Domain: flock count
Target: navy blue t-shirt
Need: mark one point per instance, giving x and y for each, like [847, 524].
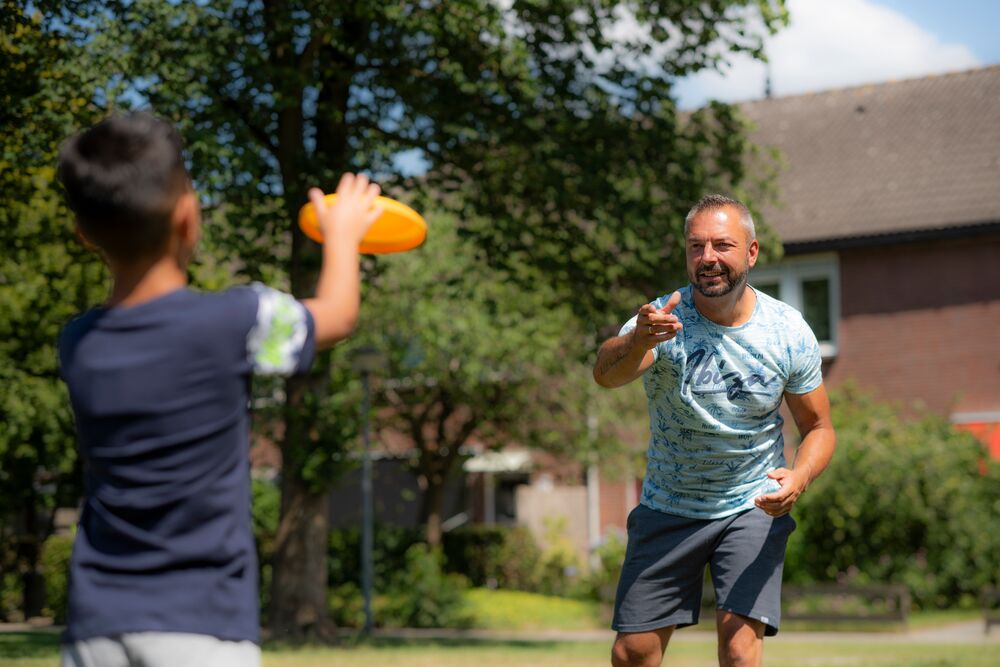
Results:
[160, 392]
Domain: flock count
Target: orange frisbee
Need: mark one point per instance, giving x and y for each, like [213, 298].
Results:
[398, 229]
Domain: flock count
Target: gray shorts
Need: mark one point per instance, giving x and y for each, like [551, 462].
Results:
[665, 561]
[159, 649]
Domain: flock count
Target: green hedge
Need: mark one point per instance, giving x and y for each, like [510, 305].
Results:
[905, 500]
[419, 594]
[55, 557]
[494, 556]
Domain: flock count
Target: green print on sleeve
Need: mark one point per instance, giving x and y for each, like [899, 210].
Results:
[275, 343]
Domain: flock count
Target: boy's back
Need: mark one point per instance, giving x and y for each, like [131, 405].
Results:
[160, 391]
[164, 570]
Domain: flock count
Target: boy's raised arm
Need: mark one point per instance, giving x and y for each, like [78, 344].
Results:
[344, 223]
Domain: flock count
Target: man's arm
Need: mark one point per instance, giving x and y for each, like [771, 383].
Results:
[338, 292]
[624, 358]
[811, 413]
[620, 360]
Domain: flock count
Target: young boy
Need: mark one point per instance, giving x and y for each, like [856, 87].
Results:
[164, 568]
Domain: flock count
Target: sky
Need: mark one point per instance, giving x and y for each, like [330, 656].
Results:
[840, 43]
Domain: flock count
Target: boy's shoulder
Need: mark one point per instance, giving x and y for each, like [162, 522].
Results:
[229, 308]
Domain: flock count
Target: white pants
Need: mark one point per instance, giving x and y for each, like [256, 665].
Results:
[160, 649]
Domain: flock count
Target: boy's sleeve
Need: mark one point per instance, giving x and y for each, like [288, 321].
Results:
[807, 363]
[282, 340]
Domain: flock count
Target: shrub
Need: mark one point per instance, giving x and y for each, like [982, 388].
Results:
[266, 512]
[55, 557]
[602, 580]
[422, 595]
[389, 546]
[494, 556]
[560, 563]
[346, 605]
[910, 501]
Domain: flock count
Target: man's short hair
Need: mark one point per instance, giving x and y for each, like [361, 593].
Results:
[715, 202]
[122, 179]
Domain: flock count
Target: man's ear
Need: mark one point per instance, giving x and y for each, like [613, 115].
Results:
[752, 252]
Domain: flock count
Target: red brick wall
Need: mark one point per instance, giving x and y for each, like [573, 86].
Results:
[921, 322]
[612, 504]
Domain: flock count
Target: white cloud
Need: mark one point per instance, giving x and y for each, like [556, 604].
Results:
[831, 45]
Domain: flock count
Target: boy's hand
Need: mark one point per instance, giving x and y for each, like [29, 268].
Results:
[350, 216]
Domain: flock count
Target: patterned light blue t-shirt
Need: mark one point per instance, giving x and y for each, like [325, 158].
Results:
[714, 393]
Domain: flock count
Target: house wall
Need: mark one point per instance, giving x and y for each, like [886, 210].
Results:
[555, 512]
[618, 497]
[920, 323]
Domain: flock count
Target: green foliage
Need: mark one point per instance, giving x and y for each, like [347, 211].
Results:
[504, 557]
[56, 552]
[417, 594]
[481, 356]
[602, 578]
[477, 345]
[346, 605]
[423, 595]
[265, 512]
[559, 567]
[546, 129]
[45, 279]
[911, 501]
[389, 547]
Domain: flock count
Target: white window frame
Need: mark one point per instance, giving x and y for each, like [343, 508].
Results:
[789, 274]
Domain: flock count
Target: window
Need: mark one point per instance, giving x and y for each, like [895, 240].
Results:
[811, 285]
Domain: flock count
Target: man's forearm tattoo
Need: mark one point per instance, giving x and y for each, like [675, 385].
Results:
[614, 357]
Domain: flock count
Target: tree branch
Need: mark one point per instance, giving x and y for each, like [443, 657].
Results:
[262, 137]
[402, 139]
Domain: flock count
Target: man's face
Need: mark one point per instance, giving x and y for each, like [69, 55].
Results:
[719, 252]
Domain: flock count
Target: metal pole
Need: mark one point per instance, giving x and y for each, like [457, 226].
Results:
[367, 527]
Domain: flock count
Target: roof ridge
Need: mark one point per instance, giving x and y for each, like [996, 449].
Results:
[874, 84]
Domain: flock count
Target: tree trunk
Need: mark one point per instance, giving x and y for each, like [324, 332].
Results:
[438, 456]
[298, 596]
[298, 590]
[432, 507]
[298, 605]
[33, 596]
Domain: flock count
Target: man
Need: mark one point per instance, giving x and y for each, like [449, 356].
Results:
[716, 358]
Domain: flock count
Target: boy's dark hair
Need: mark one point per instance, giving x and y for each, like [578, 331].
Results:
[122, 179]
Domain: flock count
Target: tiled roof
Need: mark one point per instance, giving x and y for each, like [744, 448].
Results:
[897, 157]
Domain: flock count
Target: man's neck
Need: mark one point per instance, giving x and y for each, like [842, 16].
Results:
[730, 310]
[144, 281]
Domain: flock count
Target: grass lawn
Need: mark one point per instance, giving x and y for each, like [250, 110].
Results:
[518, 610]
[41, 650]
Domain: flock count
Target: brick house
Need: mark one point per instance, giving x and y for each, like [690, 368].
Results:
[889, 212]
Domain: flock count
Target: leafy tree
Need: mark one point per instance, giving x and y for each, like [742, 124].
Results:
[45, 278]
[471, 354]
[545, 125]
[906, 499]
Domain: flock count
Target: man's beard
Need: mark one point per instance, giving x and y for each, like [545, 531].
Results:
[731, 280]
